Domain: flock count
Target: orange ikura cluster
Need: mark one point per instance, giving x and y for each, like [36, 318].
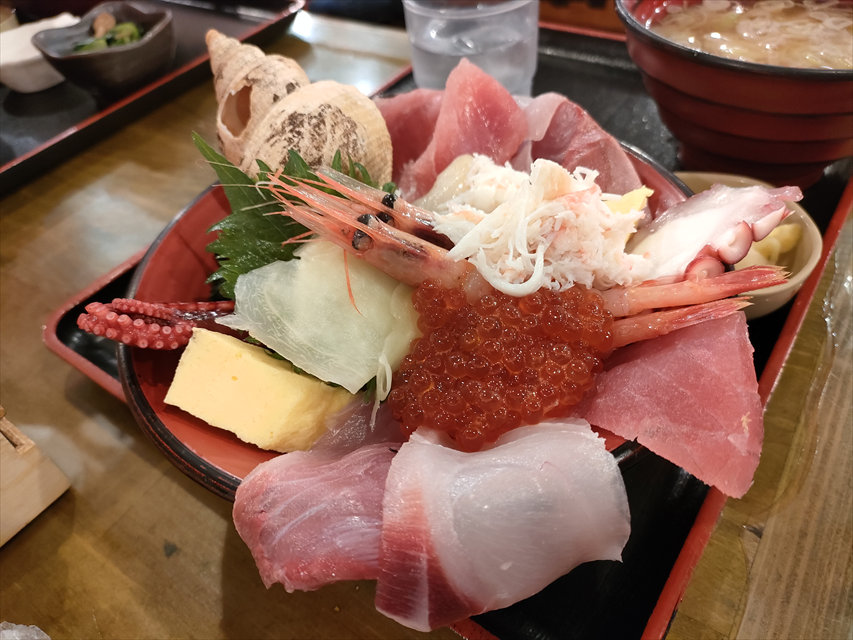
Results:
[483, 368]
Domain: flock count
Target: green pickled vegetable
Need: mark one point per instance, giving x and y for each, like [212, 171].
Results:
[122, 33]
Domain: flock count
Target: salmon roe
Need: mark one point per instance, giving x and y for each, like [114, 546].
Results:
[483, 368]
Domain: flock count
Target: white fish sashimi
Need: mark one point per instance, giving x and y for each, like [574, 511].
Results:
[465, 533]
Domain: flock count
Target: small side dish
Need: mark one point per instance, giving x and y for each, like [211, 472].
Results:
[107, 33]
[112, 60]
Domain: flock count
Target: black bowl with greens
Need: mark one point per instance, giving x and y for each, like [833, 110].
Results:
[116, 47]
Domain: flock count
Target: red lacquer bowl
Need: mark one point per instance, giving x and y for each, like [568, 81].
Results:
[175, 269]
[779, 124]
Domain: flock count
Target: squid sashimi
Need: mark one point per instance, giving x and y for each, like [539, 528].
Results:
[308, 522]
[465, 533]
[658, 392]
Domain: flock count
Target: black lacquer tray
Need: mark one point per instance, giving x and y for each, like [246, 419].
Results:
[670, 509]
[40, 130]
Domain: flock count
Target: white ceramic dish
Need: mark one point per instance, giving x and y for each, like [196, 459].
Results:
[799, 262]
[22, 67]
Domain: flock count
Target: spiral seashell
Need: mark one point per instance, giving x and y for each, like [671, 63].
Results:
[247, 83]
[268, 106]
[228, 58]
[318, 120]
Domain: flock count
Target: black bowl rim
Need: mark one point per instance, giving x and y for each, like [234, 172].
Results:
[164, 19]
[217, 480]
[634, 26]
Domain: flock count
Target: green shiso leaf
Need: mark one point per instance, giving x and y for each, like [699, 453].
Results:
[253, 235]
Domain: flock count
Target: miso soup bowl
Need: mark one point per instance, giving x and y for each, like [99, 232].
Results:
[781, 124]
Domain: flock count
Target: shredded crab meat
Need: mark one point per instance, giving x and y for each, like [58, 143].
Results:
[552, 228]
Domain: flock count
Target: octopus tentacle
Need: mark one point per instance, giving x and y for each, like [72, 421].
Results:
[715, 228]
[149, 325]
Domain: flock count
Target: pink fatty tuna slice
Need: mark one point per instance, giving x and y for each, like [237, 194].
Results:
[311, 518]
[476, 115]
[430, 128]
[691, 397]
[465, 533]
[410, 118]
[562, 131]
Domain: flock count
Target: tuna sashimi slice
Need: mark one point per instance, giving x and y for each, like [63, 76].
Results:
[410, 118]
[691, 397]
[311, 518]
[465, 533]
[562, 131]
[477, 115]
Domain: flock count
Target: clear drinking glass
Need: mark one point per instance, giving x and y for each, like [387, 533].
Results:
[499, 36]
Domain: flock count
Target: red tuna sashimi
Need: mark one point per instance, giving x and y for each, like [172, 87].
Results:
[562, 131]
[465, 533]
[410, 118]
[477, 115]
[691, 397]
[310, 519]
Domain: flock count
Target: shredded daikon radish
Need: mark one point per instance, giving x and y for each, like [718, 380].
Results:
[552, 228]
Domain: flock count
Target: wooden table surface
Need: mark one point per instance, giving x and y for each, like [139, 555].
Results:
[137, 550]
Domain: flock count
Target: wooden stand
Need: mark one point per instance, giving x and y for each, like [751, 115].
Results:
[29, 480]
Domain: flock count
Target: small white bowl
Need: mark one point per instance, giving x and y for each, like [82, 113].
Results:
[22, 67]
[799, 262]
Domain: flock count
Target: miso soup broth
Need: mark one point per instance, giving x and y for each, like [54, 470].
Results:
[789, 33]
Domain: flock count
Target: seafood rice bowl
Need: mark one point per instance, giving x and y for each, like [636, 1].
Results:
[484, 332]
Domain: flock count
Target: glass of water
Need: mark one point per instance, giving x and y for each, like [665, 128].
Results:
[499, 36]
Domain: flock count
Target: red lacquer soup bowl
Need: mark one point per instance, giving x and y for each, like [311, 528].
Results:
[776, 123]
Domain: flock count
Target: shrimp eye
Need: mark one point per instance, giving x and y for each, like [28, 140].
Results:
[389, 199]
[365, 219]
[361, 241]
[387, 218]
